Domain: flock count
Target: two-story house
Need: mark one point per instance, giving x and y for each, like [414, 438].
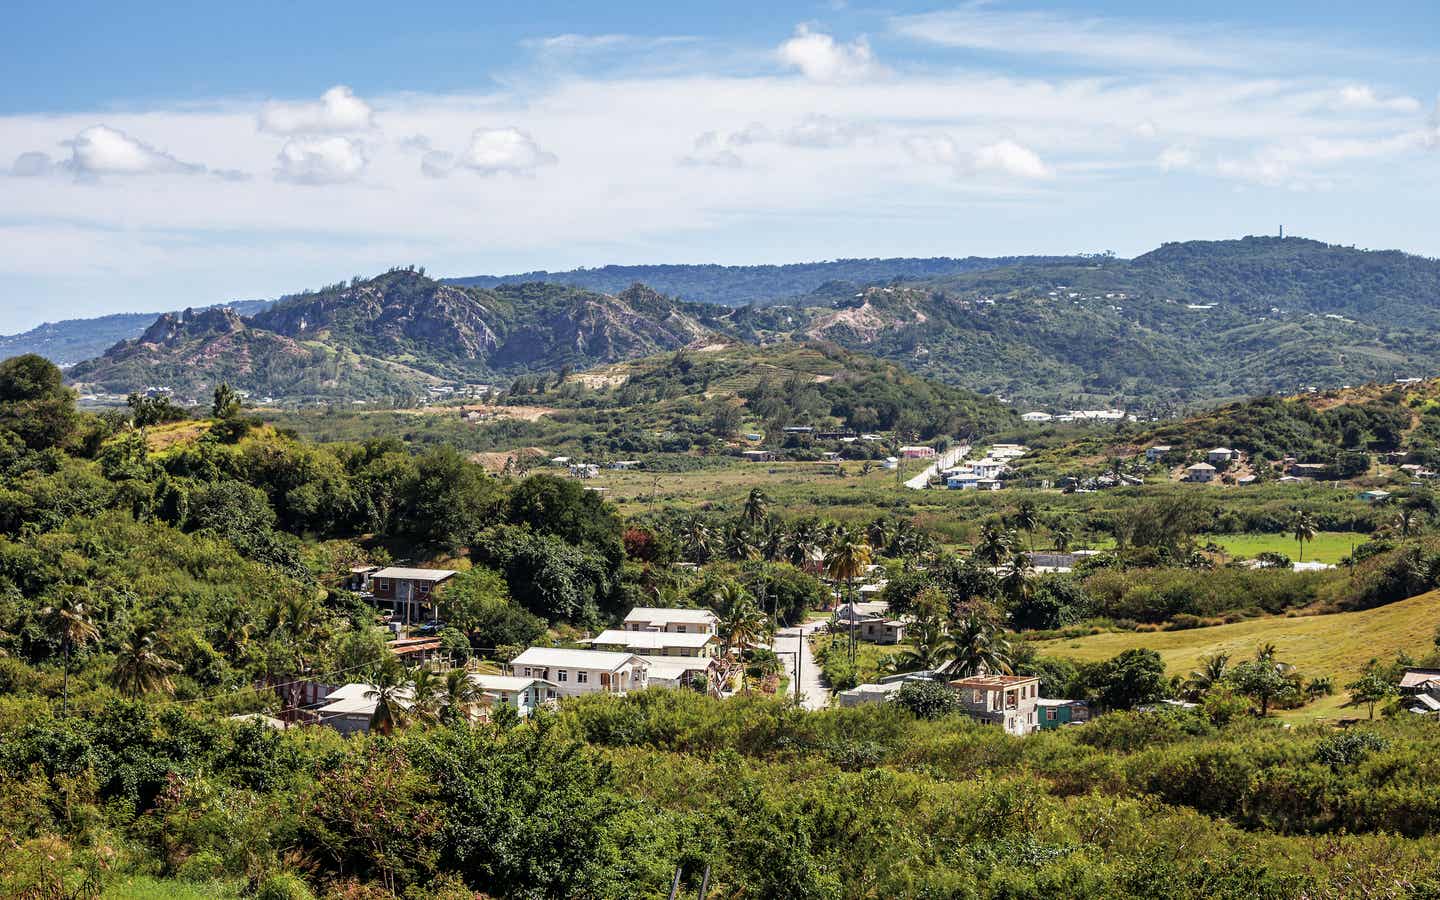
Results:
[679, 621]
[1009, 701]
[411, 593]
[656, 643]
[524, 695]
[575, 672]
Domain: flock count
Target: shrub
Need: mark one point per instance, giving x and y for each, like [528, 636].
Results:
[927, 699]
[283, 886]
[1348, 748]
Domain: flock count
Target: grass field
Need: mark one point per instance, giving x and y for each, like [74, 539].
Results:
[143, 887]
[1338, 645]
[1328, 546]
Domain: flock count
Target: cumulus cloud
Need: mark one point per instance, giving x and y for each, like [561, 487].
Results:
[314, 161]
[713, 149]
[1364, 97]
[1005, 157]
[336, 112]
[820, 57]
[102, 150]
[29, 165]
[495, 151]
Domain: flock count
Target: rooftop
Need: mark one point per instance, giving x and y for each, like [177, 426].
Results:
[665, 614]
[504, 682]
[647, 640]
[573, 659]
[993, 681]
[402, 573]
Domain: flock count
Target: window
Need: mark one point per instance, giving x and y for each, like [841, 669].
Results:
[582, 677]
[383, 584]
[562, 675]
[679, 629]
[424, 587]
[1049, 713]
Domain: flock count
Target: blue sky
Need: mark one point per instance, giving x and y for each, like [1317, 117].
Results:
[172, 156]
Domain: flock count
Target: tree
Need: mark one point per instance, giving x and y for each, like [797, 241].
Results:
[34, 403]
[1372, 687]
[994, 545]
[976, 647]
[1212, 672]
[1407, 521]
[1061, 537]
[459, 697]
[1264, 679]
[926, 650]
[140, 665]
[1027, 519]
[69, 621]
[743, 626]
[1304, 530]
[227, 402]
[757, 507]
[845, 558]
[1129, 679]
[1016, 582]
[927, 699]
[390, 689]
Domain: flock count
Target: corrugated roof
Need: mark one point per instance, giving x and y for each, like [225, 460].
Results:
[663, 614]
[573, 659]
[404, 574]
[515, 683]
[650, 640]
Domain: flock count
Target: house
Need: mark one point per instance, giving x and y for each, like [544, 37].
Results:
[1308, 470]
[1055, 713]
[1155, 453]
[1200, 473]
[882, 631]
[871, 621]
[584, 470]
[891, 462]
[917, 452]
[680, 621]
[417, 650]
[359, 578]
[348, 709]
[988, 484]
[869, 693]
[408, 591]
[624, 464]
[1420, 690]
[679, 671]
[655, 643]
[757, 455]
[962, 481]
[797, 429]
[989, 468]
[1220, 455]
[1375, 496]
[1009, 701]
[576, 672]
[524, 695]
[1036, 417]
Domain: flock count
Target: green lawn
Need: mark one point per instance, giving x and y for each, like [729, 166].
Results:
[144, 887]
[1338, 645]
[1328, 546]
[868, 657]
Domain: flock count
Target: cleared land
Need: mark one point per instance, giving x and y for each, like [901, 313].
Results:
[1338, 645]
[1328, 546]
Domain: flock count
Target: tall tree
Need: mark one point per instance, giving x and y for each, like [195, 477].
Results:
[140, 664]
[226, 403]
[977, 647]
[845, 558]
[390, 689]
[69, 620]
[1027, 519]
[757, 507]
[1305, 530]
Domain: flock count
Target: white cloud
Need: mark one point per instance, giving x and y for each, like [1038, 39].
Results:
[437, 163]
[1004, 157]
[1176, 158]
[315, 161]
[1364, 97]
[102, 150]
[1432, 128]
[338, 111]
[495, 151]
[820, 57]
[711, 149]
[31, 164]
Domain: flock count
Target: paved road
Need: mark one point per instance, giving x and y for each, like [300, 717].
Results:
[943, 461]
[813, 693]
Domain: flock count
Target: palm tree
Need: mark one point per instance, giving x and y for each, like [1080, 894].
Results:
[757, 507]
[727, 596]
[993, 546]
[429, 700]
[1212, 672]
[141, 667]
[459, 696]
[846, 557]
[744, 626]
[1062, 538]
[696, 536]
[389, 688]
[69, 620]
[1305, 530]
[926, 651]
[1016, 580]
[1406, 521]
[975, 647]
[1027, 519]
[740, 544]
[881, 533]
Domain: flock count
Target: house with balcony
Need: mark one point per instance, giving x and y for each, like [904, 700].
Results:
[576, 672]
[655, 643]
[1010, 701]
[411, 593]
[680, 621]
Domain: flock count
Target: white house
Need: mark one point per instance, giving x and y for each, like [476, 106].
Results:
[962, 481]
[575, 672]
[524, 695]
[989, 468]
[655, 643]
[869, 693]
[1201, 473]
[1036, 417]
[1220, 455]
[678, 671]
[1153, 454]
[680, 621]
[348, 709]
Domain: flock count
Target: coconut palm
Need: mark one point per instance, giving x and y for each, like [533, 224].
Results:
[429, 701]
[845, 558]
[140, 664]
[740, 543]
[744, 626]
[993, 546]
[757, 507]
[695, 535]
[1027, 519]
[881, 533]
[1406, 522]
[69, 621]
[1061, 537]
[1305, 530]
[1015, 581]
[1212, 672]
[459, 696]
[976, 647]
[390, 689]
[926, 651]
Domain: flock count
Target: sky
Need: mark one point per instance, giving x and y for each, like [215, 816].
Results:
[177, 156]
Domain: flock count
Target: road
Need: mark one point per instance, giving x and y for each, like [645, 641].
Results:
[943, 461]
[813, 693]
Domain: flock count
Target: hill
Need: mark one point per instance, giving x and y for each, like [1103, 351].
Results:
[70, 341]
[1337, 644]
[394, 336]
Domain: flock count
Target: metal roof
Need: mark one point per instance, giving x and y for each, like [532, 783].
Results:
[404, 574]
[650, 640]
[573, 659]
[676, 615]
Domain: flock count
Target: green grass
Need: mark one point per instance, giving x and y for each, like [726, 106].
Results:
[1338, 645]
[1328, 546]
[868, 657]
[145, 887]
